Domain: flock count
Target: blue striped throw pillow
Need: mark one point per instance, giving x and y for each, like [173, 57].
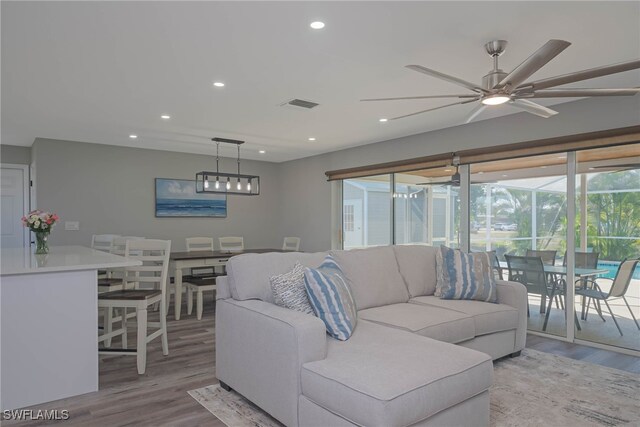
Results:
[331, 298]
[465, 275]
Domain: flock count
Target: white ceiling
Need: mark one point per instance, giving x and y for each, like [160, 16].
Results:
[99, 71]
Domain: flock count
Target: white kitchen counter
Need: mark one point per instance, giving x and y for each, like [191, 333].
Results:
[49, 323]
[59, 258]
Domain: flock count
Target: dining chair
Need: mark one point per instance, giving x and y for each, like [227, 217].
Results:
[585, 260]
[291, 244]
[619, 287]
[102, 242]
[231, 244]
[200, 280]
[548, 258]
[154, 255]
[495, 263]
[530, 272]
[114, 281]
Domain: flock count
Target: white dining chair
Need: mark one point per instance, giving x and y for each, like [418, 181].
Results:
[231, 244]
[291, 244]
[154, 255]
[114, 281]
[102, 242]
[201, 280]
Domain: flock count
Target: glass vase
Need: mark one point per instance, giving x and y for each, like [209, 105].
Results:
[42, 245]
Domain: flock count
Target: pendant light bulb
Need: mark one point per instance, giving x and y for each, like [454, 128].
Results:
[249, 185]
[206, 182]
[217, 183]
[228, 184]
[239, 186]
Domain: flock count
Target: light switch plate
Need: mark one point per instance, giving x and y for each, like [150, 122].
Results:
[72, 225]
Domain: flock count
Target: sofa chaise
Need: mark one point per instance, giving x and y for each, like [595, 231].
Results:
[413, 360]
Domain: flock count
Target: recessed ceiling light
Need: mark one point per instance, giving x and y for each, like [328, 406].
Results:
[592, 168]
[312, 138]
[504, 176]
[448, 170]
[218, 84]
[480, 173]
[317, 25]
[543, 167]
[561, 157]
[383, 120]
[165, 117]
[262, 151]
[133, 136]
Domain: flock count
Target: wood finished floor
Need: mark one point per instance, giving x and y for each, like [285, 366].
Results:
[159, 397]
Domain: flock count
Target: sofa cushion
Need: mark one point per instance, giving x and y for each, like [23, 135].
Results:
[373, 276]
[248, 274]
[488, 318]
[464, 275]
[331, 298]
[388, 377]
[289, 290]
[434, 322]
[417, 266]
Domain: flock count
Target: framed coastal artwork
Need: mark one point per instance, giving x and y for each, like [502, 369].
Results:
[178, 198]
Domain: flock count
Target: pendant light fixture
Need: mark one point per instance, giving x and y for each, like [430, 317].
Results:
[245, 185]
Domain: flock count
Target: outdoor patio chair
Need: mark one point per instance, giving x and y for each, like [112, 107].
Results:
[619, 287]
[585, 260]
[529, 270]
[497, 270]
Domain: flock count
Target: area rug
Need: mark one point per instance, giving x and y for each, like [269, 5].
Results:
[535, 389]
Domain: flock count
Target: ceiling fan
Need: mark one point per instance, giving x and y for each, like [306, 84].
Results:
[499, 87]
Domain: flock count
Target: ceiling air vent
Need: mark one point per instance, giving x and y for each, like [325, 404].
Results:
[300, 103]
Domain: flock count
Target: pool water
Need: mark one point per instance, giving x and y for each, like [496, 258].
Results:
[612, 267]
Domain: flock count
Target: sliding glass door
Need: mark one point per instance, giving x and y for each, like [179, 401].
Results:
[607, 233]
[577, 213]
[519, 208]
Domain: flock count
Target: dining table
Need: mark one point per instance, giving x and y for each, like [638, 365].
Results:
[179, 261]
[561, 270]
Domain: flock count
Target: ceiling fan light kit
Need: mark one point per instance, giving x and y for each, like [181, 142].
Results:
[499, 87]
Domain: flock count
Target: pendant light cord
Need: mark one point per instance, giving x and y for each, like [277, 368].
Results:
[238, 161]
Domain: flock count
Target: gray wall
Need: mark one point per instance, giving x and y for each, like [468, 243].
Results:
[110, 189]
[15, 154]
[307, 194]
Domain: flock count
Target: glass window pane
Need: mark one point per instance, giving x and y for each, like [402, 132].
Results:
[426, 210]
[366, 211]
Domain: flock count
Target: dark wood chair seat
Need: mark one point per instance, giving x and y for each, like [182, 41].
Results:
[109, 282]
[130, 294]
[202, 281]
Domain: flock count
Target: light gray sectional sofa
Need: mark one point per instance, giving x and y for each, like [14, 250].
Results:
[413, 359]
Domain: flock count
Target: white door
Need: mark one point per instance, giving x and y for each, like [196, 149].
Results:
[352, 223]
[14, 203]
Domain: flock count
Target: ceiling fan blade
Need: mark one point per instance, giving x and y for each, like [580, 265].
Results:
[582, 75]
[436, 108]
[569, 93]
[475, 112]
[450, 79]
[420, 97]
[540, 57]
[533, 108]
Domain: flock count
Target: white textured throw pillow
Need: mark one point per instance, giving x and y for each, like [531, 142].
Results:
[289, 290]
